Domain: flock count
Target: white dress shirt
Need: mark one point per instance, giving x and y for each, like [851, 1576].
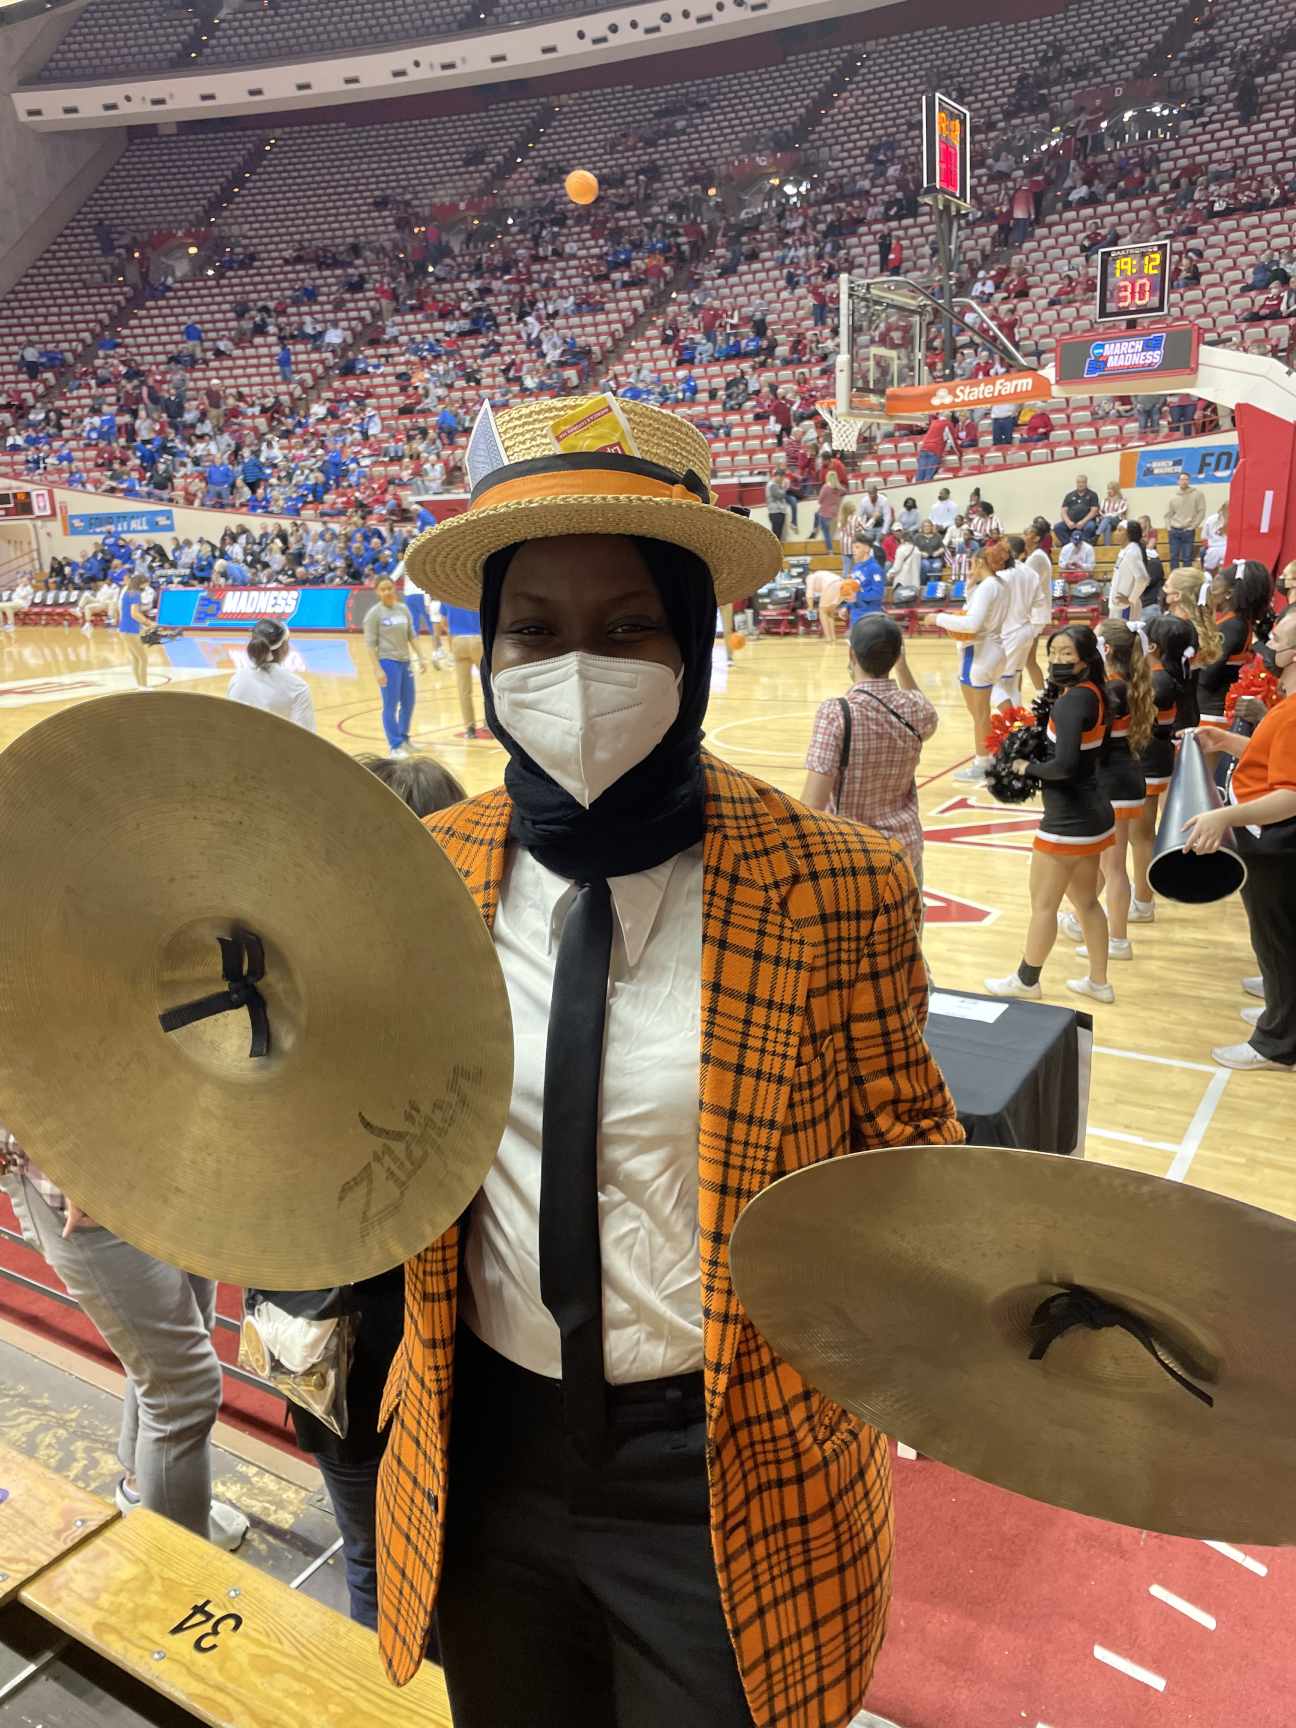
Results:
[648, 1136]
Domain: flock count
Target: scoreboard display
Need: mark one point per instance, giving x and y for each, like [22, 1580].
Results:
[20, 504]
[1133, 281]
[946, 131]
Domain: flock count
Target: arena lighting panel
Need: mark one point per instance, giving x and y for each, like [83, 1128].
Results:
[1127, 362]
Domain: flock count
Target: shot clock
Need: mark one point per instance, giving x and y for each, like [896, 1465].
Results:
[946, 128]
[1133, 281]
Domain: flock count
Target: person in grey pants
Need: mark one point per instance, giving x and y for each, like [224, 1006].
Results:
[158, 1322]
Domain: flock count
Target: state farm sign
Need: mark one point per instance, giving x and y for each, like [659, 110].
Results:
[967, 393]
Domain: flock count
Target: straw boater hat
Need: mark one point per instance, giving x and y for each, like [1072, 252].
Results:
[661, 492]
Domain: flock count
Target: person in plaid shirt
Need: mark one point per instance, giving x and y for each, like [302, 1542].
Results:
[891, 720]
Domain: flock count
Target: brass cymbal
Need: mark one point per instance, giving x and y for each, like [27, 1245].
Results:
[138, 835]
[902, 1284]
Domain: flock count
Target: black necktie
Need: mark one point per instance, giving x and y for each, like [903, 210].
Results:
[571, 1270]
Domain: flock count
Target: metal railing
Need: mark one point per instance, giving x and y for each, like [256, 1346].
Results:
[61, 1296]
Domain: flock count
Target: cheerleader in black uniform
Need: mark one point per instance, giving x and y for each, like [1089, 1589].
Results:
[1078, 824]
[1243, 597]
[1171, 642]
[1184, 600]
[1131, 706]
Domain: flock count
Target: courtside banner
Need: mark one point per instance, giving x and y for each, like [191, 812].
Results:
[1162, 465]
[101, 522]
[240, 608]
[967, 393]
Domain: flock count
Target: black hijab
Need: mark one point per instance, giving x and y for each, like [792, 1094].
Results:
[655, 809]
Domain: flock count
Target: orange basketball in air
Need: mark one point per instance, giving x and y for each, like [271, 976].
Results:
[582, 187]
[737, 642]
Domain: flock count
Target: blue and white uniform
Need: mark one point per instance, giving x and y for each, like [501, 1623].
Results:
[421, 610]
[982, 660]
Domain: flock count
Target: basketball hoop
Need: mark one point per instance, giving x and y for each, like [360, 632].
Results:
[844, 429]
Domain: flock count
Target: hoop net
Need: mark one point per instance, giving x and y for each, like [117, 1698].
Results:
[843, 429]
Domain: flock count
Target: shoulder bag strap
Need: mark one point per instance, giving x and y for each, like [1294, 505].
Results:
[890, 710]
[842, 764]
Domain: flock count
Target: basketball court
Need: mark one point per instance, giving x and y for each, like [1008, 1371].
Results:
[1158, 1103]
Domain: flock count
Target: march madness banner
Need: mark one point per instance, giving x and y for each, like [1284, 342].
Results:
[238, 609]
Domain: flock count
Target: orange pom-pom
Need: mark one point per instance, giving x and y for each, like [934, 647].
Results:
[1002, 722]
[582, 187]
[1253, 680]
[737, 642]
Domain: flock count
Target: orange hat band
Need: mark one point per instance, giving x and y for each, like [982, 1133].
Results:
[589, 474]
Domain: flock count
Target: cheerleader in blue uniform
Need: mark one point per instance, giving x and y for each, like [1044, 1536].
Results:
[1078, 824]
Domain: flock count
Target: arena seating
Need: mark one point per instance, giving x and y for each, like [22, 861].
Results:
[159, 186]
[221, 1640]
[121, 38]
[277, 32]
[837, 112]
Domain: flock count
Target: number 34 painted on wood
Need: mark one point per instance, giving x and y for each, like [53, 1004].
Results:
[201, 1615]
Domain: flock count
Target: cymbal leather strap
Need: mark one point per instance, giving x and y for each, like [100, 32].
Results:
[243, 968]
[1076, 1306]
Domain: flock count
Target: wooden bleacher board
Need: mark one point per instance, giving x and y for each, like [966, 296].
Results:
[236, 1648]
[42, 1518]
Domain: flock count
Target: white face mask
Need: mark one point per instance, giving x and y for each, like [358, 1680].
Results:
[587, 719]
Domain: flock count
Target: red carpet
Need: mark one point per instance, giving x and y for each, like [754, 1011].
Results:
[256, 1413]
[999, 1603]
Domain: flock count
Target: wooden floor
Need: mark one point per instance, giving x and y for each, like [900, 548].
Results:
[1158, 1104]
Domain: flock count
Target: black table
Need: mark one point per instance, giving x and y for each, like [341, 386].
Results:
[1020, 1078]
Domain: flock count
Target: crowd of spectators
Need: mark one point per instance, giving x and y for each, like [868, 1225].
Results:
[350, 552]
[485, 319]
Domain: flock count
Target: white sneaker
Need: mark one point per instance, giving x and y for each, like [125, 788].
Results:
[1069, 926]
[1251, 1015]
[86, 630]
[971, 775]
[1118, 948]
[226, 1527]
[1245, 1058]
[1142, 912]
[397, 755]
[1087, 987]
[1254, 987]
[1013, 986]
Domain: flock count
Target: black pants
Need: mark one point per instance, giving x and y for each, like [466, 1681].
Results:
[777, 518]
[1271, 913]
[580, 1592]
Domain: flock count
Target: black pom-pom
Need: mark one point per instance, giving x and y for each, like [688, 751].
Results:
[1003, 782]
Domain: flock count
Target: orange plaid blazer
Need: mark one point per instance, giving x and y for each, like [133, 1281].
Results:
[813, 1003]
